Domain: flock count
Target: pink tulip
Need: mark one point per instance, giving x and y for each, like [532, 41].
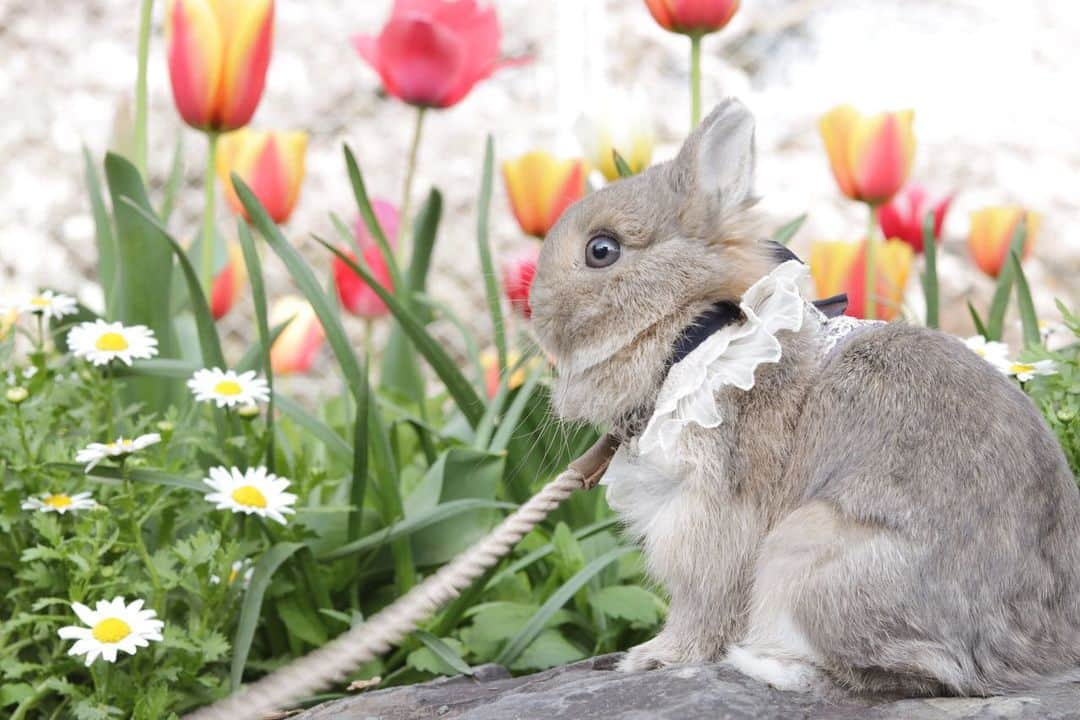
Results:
[517, 277]
[692, 17]
[355, 294]
[431, 53]
[902, 217]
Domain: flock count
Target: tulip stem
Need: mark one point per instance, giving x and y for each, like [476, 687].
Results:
[145, 18]
[695, 80]
[870, 283]
[410, 174]
[207, 266]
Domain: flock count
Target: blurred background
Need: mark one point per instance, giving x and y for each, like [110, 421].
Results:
[992, 83]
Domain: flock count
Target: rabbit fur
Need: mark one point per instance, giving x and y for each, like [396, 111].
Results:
[894, 518]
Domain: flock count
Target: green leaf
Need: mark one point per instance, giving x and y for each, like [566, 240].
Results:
[300, 622]
[416, 523]
[258, 296]
[15, 693]
[628, 602]
[442, 657]
[620, 164]
[543, 551]
[103, 233]
[1028, 319]
[333, 442]
[254, 358]
[158, 367]
[209, 343]
[175, 179]
[155, 477]
[995, 323]
[549, 649]
[980, 326]
[251, 609]
[527, 634]
[460, 389]
[371, 222]
[358, 485]
[787, 231]
[143, 274]
[508, 425]
[931, 287]
[483, 243]
[355, 377]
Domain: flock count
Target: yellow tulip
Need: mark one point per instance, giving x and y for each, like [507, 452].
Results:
[840, 267]
[991, 234]
[619, 126]
[541, 187]
[870, 156]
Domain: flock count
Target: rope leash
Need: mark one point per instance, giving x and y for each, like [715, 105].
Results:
[363, 643]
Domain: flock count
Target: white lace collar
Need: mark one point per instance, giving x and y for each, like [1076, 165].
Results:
[730, 356]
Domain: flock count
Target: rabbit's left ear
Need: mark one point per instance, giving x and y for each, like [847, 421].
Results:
[718, 157]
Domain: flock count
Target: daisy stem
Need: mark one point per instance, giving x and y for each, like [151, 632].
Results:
[21, 422]
[207, 267]
[410, 174]
[136, 529]
[30, 701]
[870, 285]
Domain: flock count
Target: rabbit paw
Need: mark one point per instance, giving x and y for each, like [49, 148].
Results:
[782, 673]
[652, 655]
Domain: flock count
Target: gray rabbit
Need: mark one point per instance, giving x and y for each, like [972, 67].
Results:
[889, 514]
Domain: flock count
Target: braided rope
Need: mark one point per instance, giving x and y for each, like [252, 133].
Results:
[363, 643]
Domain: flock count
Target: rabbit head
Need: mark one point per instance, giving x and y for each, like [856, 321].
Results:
[628, 267]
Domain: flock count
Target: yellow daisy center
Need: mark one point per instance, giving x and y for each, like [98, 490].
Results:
[1018, 368]
[111, 341]
[228, 387]
[111, 630]
[250, 496]
[40, 302]
[60, 500]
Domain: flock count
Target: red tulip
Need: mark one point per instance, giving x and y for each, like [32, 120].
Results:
[355, 294]
[218, 53]
[870, 156]
[431, 53]
[517, 277]
[271, 162]
[228, 284]
[692, 17]
[902, 217]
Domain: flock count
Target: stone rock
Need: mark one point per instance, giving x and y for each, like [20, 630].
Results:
[589, 689]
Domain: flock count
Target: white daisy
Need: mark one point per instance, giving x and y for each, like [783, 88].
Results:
[100, 341]
[241, 570]
[227, 388]
[111, 626]
[995, 353]
[60, 502]
[1024, 371]
[94, 453]
[252, 492]
[50, 305]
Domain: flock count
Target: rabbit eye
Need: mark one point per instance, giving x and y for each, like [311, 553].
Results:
[602, 251]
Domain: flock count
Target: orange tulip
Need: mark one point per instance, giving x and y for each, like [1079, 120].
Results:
[840, 267]
[296, 347]
[991, 233]
[228, 284]
[541, 187]
[270, 162]
[692, 17]
[218, 53]
[870, 156]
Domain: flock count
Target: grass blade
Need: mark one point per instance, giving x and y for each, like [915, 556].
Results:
[258, 296]
[209, 343]
[444, 652]
[980, 326]
[788, 230]
[367, 214]
[620, 164]
[1028, 319]
[252, 607]
[487, 267]
[103, 233]
[931, 287]
[358, 484]
[509, 423]
[995, 323]
[459, 388]
[333, 442]
[158, 367]
[154, 477]
[173, 182]
[254, 358]
[410, 525]
[543, 551]
[309, 286]
[517, 644]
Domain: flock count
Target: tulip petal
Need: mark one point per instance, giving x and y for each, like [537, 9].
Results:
[703, 15]
[540, 189]
[881, 151]
[991, 234]
[830, 264]
[296, 347]
[420, 62]
[246, 61]
[892, 264]
[480, 25]
[195, 49]
[837, 127]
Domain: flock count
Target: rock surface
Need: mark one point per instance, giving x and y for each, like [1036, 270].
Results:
[590, 689]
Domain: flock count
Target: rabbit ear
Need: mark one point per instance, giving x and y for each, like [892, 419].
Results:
[718, 158]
